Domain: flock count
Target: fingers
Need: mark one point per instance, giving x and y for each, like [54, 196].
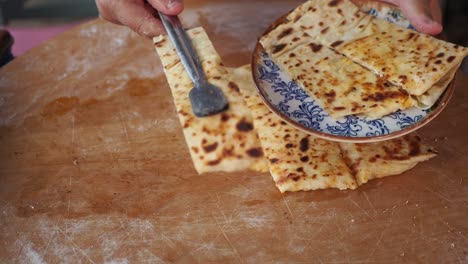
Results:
[136, 14]
[423, 14]
[420, 15]
[168, 7]
[436, 11]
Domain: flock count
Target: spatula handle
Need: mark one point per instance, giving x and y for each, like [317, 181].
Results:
[184, 48]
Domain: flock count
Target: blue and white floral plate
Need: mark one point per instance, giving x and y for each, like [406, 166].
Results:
[292, 104]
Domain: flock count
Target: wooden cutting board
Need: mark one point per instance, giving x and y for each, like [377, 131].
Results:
[94, 168]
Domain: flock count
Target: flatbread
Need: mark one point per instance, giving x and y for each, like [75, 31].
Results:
[330, 21]
[376, 160]
[430, 97]
[223, 142]
[421, 65]
[341, 86]
[408, 59]
[297, 161]
[311, 19]
[300, 162]
[314, 18]
[411, 60]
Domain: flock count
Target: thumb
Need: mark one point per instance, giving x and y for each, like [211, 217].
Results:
[168, 7]
[139, 17]
[419, 14]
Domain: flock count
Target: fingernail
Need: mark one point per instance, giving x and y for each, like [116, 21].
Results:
[173, 3]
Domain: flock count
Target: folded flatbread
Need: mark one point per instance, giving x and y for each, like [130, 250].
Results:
[297, 161]
[340, 85]
[300, 162]
[376, 160]
[223, 142]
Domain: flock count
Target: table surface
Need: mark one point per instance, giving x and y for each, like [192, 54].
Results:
[94, 167]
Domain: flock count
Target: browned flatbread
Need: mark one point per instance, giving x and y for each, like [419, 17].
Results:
[417, 64]
[298, 161]
[376, 160]
[341, 86]
[223, 142]
[408, 59]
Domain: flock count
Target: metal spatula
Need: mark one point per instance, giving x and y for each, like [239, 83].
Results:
[206, 98]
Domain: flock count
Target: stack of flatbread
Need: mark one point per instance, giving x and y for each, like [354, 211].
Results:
[250, 136]
[354, 63]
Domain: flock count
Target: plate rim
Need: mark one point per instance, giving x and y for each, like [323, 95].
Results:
[256, 58]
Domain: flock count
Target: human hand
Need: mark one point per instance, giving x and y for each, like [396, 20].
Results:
[139, 15]
[424, 15]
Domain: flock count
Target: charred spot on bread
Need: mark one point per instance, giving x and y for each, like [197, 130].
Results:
[224, 117]
[293, 176]
[304, 144]
[278, 48]
[244, 126]
[339, 108]
[255, 152]
[233, 86]
[403, 78]
[195, 150]
[274, 160]
[213, 162]
[285, 33]
[210, 148]
[382, 96]
[331, 94]
[334, 3]
[411, 35]
[336, 43]
[297, 18]
[414, 148]
[160, 43]
[228, 152]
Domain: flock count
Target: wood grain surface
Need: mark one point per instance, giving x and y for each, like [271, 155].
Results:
[94, 168]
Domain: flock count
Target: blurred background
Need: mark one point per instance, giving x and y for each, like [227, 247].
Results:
[33, 21]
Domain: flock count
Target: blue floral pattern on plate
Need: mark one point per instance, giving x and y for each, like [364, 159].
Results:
[288, 98]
